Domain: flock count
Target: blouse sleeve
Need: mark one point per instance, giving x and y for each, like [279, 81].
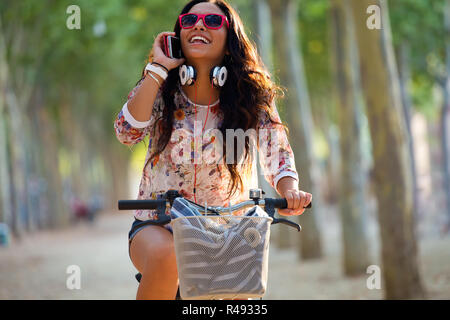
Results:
[275, 153]
[128, 130]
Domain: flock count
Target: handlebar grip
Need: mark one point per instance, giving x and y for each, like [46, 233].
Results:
[282, 203]
[140, 204]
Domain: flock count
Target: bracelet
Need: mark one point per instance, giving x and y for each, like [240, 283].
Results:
[159, 64]
[156, 79]
[159, 71]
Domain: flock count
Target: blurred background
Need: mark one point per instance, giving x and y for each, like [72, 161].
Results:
[367, 105]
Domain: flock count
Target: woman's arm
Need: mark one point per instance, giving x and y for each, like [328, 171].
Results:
[146, 95]
[129, 130]
[297, 200]
[134, 120]
[278, 164]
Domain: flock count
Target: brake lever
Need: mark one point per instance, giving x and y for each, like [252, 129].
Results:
[271, 212]
[288, 223]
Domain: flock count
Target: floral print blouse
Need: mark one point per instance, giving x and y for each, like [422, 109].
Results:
[186, 160]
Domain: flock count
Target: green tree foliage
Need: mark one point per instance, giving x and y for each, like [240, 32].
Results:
[420, 24]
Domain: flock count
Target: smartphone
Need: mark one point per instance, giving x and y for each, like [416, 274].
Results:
[172, 47]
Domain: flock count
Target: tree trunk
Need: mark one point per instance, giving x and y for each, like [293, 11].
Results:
[120, 179]
[18, 162]
[39, 181]
[445, 118]
[298, 113]
[58, 215]
[392, 174]
[264, 41]
[332, 169]
[351, 190]
[404, 73]
[17, 96]
[264, 32]
[5, 175]
[5, 209]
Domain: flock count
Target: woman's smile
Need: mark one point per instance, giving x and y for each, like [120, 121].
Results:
[199, 39]
[197, 42]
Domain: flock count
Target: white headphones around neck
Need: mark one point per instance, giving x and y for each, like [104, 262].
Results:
[217, 76]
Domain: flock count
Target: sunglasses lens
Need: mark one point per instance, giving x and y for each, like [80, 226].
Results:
[188, 20]
[213, 20]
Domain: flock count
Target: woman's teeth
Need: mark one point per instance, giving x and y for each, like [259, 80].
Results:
[199, 39]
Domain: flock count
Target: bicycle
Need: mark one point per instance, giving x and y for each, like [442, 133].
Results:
[215, 249]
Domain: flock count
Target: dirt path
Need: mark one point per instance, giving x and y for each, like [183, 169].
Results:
[35, 268]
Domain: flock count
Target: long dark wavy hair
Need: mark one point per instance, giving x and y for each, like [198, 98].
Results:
[247, 93]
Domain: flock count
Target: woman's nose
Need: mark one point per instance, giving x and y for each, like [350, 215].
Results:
[199, 24]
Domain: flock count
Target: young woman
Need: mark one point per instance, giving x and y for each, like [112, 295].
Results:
[166, 101]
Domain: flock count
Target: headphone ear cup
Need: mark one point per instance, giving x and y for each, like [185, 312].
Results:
[212, 75]
[183, 74]
[223, 75]
[218, 76]
[187, 74]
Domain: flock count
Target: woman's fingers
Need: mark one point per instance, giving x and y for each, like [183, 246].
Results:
[297, 201]
[160, 36]
[291, 212]
[290, 199]
[158, 43]
[302, 200]
[309, 199]
[160, 56]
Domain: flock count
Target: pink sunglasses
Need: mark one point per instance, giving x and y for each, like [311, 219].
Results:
[210, 20]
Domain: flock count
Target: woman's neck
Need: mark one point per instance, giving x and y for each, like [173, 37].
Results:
[202, 92]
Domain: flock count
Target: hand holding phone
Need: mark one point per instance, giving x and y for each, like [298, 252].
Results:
[172, 47]
[159, 52]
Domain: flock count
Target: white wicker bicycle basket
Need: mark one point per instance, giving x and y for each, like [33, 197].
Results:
[221, 257]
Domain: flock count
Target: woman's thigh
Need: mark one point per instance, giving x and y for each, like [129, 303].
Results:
[152, 242]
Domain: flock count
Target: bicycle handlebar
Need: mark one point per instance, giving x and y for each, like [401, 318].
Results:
[141, 204]
[153, 204]
[270, 204]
